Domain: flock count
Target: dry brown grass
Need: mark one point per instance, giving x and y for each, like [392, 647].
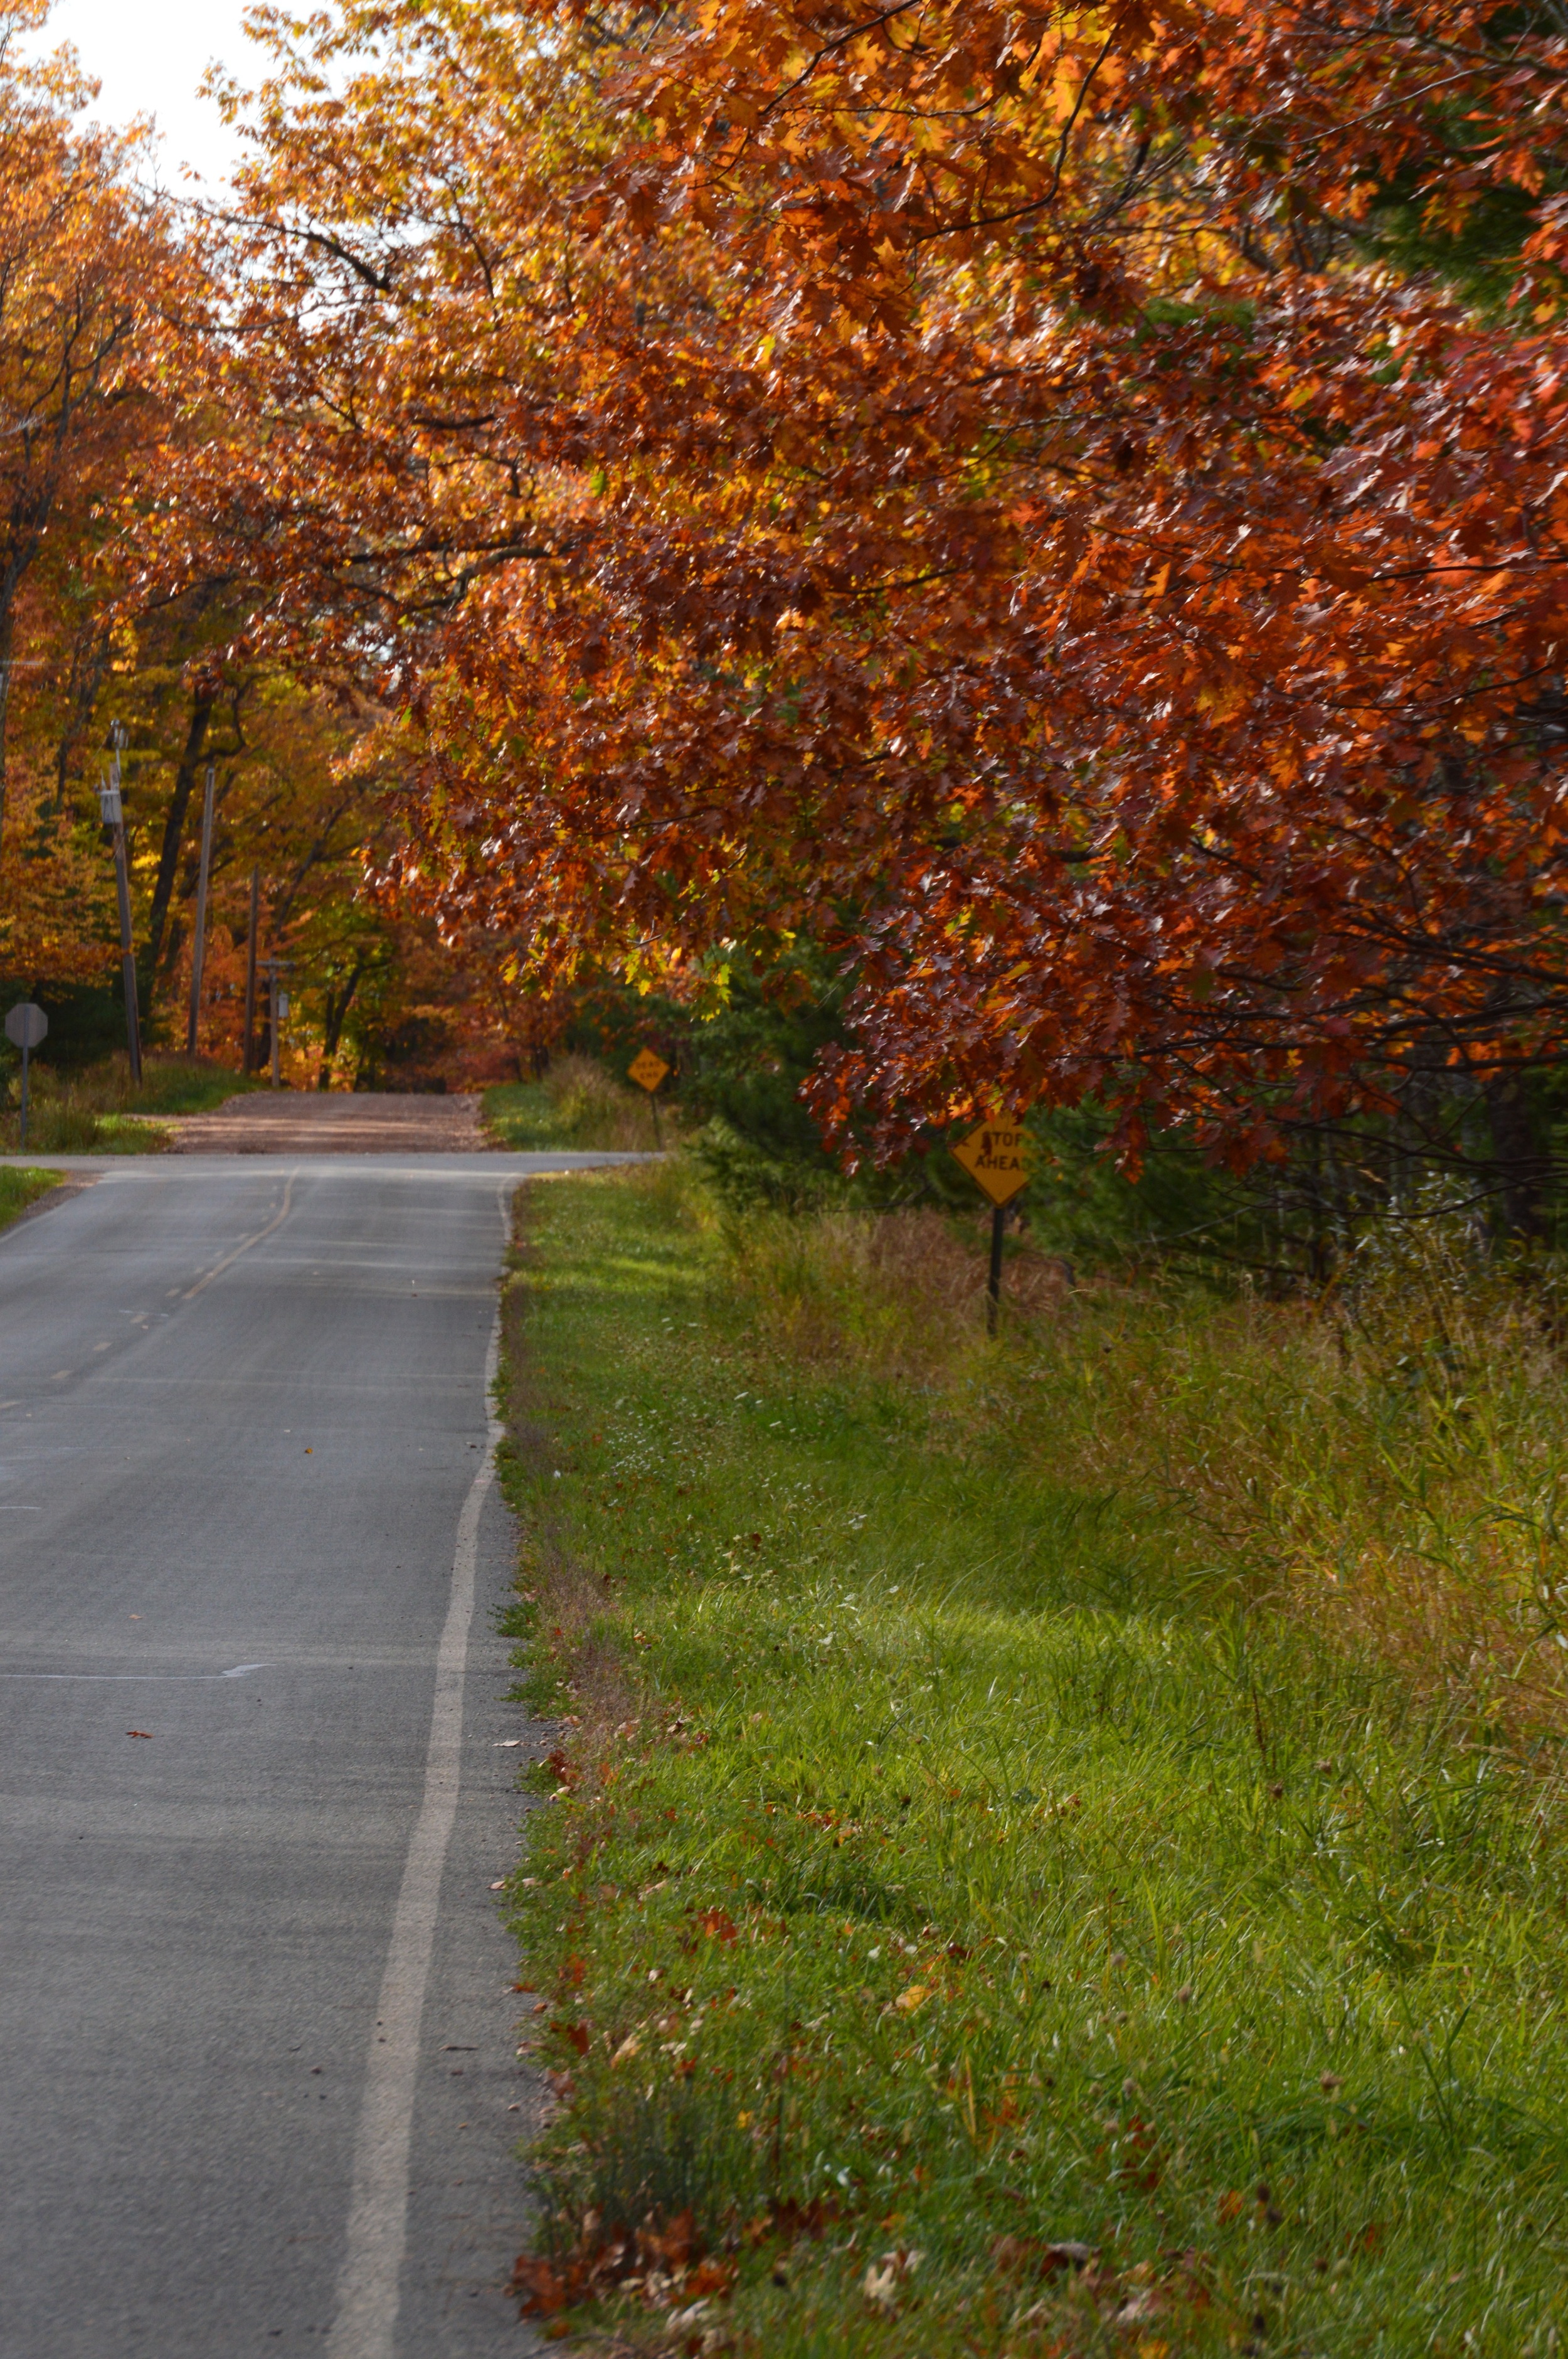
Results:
[594, 1109]
[896, 1294]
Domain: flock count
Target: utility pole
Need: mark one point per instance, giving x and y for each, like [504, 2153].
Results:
[250, 1056]
[278, 999]
[112, 810]
[198, 947]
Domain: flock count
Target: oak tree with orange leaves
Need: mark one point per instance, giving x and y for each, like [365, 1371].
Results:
[1063, 505]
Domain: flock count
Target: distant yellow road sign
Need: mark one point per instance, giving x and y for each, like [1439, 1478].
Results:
[647, 1070]
[996, 1157]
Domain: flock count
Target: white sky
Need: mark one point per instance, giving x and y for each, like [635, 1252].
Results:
[150, 58]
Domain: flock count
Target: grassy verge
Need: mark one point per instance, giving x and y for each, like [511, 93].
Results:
[20, 1189]
[987, 1907]
[578, 1105]
[97, 1112]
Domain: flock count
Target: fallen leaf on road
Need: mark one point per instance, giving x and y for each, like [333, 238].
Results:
[503, 1744]
[500, 1885]
[138, 1732]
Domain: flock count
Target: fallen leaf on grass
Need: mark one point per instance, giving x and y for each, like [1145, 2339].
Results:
[1027, 2256]
[545, 2290]
[709, 2277]
[664, 2267]
[880, 2283]
[880, 2287]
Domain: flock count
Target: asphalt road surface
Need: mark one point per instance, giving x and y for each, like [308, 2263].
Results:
[256, 2038]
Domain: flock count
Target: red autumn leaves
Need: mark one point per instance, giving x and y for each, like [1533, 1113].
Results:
[1031, 498]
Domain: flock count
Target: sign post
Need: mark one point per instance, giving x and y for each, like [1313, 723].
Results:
[278, 1002]
[26, 1027]
[996, 1157]
[648, 1069]
[110, 810]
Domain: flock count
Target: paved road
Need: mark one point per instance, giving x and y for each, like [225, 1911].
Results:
[241, 1411]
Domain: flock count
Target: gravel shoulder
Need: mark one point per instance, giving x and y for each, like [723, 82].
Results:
[300, 1122]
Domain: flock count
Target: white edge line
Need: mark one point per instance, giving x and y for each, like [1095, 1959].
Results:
[368, 2284]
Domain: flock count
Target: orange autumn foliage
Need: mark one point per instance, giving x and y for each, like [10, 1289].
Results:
[92, 273]
[1013, 492]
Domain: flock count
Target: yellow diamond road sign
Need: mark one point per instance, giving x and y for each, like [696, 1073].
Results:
[997, 1158]
[646, 1070]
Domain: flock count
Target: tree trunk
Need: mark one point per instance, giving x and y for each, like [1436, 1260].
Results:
[337, 1008]
[1524, 1165]
[173, 828]
[6, 642]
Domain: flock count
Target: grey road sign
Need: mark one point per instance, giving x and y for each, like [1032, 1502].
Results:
[26, 1025]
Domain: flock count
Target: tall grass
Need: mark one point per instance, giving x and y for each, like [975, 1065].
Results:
[1391, 1462]
[1043, 1861]
[578, 1104]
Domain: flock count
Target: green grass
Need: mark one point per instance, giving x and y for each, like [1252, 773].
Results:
[975, 1872]
[181, 1085]
[522, 1117]
[96, 1111]
[952, 1858]
[20, 1189]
